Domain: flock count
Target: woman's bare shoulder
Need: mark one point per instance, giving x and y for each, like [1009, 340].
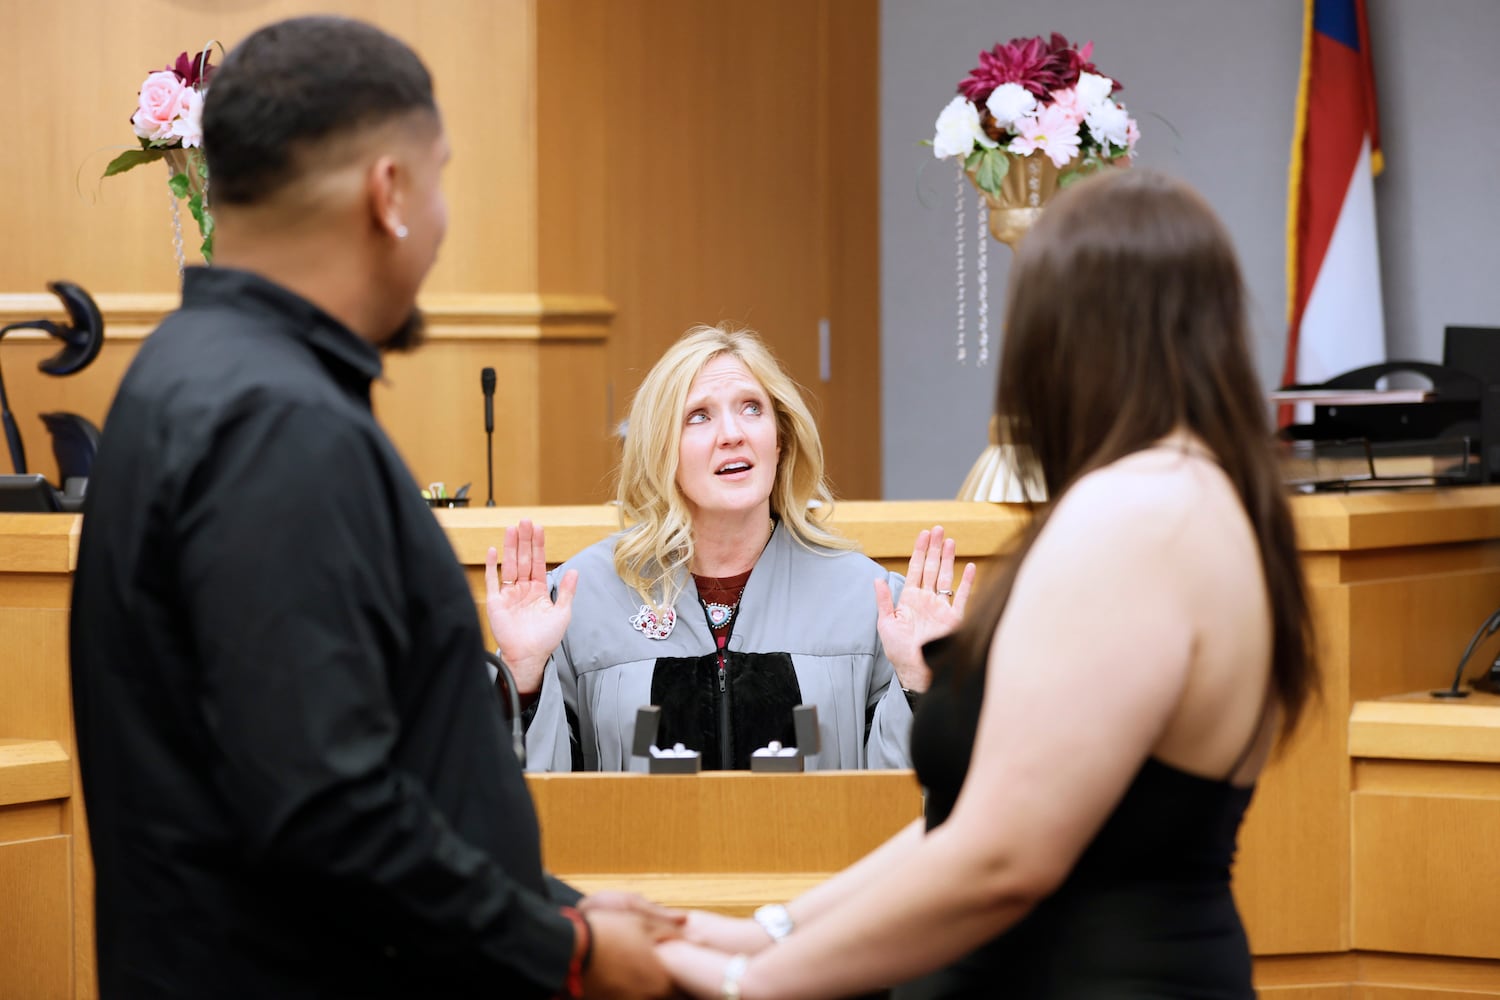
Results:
[1147, 491]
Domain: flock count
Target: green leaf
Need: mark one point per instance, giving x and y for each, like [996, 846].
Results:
[205, 220]
[972, 160]
[1069, 177]
[179, 185]
[132, 158]
[993, 166]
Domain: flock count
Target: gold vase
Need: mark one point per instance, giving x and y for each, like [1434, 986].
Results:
[1028, 185]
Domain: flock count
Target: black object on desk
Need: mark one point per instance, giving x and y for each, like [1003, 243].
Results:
[1364, 435]
[28, 493]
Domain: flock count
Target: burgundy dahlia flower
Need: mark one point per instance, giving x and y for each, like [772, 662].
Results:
[193, 70]
[1039, 66]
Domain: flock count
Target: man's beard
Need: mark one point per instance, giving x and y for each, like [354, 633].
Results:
[409, 335]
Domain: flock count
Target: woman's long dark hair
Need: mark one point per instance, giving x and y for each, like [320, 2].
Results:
[1125, 320]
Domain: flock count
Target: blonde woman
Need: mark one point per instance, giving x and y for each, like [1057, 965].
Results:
[727, 601]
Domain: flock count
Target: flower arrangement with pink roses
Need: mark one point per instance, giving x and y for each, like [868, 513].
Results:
[1035, 97]
[168, 122]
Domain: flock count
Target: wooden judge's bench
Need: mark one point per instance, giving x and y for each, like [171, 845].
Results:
[1369, 863]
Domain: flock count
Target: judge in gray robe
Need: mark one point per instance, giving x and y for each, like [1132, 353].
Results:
[727, 602]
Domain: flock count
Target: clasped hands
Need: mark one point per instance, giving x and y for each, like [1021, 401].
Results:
[642, 950]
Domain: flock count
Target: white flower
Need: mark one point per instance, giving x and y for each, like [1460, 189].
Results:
[1008, 102]
[1092, 89]
[958, 129]
[1108, 123]
[189, 123]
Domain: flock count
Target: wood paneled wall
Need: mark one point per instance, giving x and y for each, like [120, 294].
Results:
[622, 170]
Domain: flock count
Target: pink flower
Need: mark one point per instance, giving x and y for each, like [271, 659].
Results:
[189, 125]
[1050, 132]
[1132, 136]
[1067, 101]
[161, 102]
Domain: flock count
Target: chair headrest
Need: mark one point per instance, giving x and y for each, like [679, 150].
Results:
[82, 338]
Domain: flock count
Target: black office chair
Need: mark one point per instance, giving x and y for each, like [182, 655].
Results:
[75, 440]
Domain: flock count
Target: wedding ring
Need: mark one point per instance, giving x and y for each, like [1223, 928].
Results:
[507, 583]
[945, 593]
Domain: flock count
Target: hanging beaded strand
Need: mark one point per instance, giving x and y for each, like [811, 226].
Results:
[958, 211]
[176, 222]
[982, 259]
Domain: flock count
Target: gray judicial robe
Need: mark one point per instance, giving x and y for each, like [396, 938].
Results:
[815, 608]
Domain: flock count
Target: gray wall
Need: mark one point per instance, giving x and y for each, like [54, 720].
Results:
[1213, 84]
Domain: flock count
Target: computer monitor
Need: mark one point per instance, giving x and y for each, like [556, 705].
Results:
[1476, 350]
[27, 494]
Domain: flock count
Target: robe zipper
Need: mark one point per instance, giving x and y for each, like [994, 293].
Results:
[726, 748]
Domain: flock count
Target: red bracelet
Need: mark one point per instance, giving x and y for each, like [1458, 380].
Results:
[583, 950]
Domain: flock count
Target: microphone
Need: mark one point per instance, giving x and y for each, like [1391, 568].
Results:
[487, 384]
[1490, 627]
[504, 679]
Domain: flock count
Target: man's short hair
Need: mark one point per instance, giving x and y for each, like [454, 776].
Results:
[293, 85]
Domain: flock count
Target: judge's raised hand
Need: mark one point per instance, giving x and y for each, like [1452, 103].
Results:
[526, 622]
[930, 606]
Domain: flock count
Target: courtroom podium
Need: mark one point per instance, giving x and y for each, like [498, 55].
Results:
[727, 841]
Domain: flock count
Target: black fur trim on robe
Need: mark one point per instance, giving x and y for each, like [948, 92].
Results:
[762, 690]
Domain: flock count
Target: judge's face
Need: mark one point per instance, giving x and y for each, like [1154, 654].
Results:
[726, 461]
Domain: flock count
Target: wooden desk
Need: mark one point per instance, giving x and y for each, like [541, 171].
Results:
[1398, 583]
[720, 840]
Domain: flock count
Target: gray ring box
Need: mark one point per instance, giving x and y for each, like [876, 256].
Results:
[768, 759]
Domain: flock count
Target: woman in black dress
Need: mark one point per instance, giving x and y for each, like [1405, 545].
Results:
[1095, 727]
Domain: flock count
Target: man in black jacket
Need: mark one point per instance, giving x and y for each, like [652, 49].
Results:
[296, 776]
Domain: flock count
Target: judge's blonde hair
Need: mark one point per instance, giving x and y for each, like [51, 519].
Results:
[656, 549]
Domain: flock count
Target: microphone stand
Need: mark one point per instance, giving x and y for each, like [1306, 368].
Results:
[487, 383]
[1490, 626]
[489, 464]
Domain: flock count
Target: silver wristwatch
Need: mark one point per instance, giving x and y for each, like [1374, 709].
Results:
[774, 920]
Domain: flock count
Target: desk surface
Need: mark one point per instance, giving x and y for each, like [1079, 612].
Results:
[1417, 726]
[884, 529]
